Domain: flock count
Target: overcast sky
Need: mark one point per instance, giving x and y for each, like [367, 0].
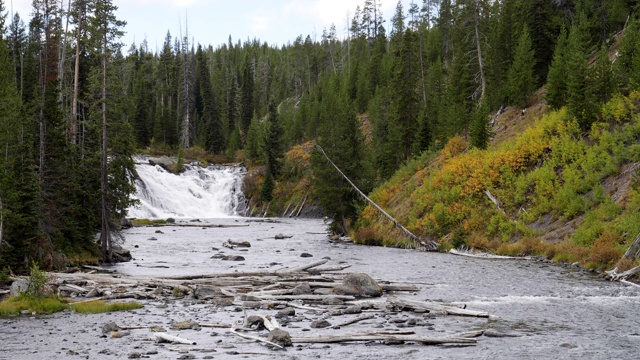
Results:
[212, 21]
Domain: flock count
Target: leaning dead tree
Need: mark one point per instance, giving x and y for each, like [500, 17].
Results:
[632, 253]
[429, 245]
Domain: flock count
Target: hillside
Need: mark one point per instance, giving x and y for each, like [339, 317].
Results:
[561, 193]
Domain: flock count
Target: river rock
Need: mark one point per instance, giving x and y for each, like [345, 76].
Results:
[301, 289]
[135, 355]
[207, 292]
[110, 327]
[233, 258]
[280, 337]
[285, 313]
[233, 244]
[282, 236]
[320, 324]
[18, 287]
[306, 255]
[359, 284]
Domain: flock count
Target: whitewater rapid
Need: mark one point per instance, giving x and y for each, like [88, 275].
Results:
[198, 192]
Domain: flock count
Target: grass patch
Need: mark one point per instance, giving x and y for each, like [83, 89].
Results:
[148, 222]
[16, 305]
[101, 306]
[50, 305]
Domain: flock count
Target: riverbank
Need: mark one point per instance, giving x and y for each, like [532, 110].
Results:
[549, 311]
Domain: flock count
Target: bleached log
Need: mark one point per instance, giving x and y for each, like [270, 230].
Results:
[172, 339]
[308, 297]
[331, 268]
[302, 268]
[426, 340]
[355, 320]
[255, 338]
[431, 306]
[487, 255]
[626, 282]
[73, 288]
[270, 323]
[302, 206]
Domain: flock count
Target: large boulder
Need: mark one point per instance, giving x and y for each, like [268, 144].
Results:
[280, 337]
[359, 284]
[18, 287]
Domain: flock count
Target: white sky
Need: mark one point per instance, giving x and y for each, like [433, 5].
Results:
[212, 21]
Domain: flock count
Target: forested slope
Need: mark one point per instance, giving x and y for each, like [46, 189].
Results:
[387, 91]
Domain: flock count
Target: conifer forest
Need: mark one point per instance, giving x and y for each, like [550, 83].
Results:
[76, 103]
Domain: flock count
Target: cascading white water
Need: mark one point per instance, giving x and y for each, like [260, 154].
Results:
[197, 192]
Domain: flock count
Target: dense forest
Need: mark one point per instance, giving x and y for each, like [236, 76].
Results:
[75, 103]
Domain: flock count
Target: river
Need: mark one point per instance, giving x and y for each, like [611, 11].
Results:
[552, 312]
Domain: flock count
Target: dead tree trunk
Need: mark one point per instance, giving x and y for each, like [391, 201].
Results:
[73, 122]
[483, 80]
[430, 245]
[105, 236]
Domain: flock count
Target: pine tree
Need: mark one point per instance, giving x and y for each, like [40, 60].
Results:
[342, 141]
[211, 118]
[273, 142]
[579, 103]
[556, 88]
[480, 127]
[602, 81]
[521, 80]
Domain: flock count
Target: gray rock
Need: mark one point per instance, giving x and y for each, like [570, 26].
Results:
[306, 255]
[354, 309]
[332, 301]
[233, 258]
[18, 287]
[255, 321]
[301, 289]
[187, 357]
[252, 304]
[135, 355]
[359, 284]
[323, 291]
[249, 298]
[280, 337]
[206, 292]
[109, 327]
[320, 324]
[285, 313]
[184, 325]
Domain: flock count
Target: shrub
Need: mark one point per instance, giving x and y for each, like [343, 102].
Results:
[605, 249]
[36, 284]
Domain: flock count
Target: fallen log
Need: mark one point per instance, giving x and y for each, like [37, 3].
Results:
[353, 321]
[255, 338]
[431, 306]
[430, 245]
[308, 297]
[487, 255]
[426, 340]
[302, 268]
[160, 336]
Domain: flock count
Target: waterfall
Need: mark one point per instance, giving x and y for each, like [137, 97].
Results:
[197, 192]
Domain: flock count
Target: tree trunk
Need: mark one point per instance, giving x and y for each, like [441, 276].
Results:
[1, 226]
[73, 122]
[483, 80]
[105, 236]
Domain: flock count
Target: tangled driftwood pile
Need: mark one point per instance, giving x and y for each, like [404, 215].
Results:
[320, 292]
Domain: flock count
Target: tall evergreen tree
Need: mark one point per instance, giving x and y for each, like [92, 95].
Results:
[556, 88]
[579, 102]
[342, 141]
[521, 80]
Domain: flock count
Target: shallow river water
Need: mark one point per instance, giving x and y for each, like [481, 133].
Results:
[551, 312]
